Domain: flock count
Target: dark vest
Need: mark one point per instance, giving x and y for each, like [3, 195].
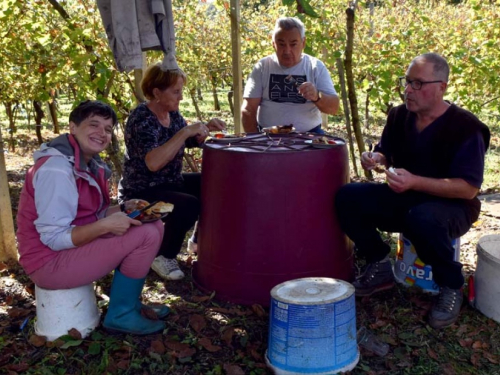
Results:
[453, 130]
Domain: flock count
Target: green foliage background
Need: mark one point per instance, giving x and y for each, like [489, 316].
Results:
[45, 49]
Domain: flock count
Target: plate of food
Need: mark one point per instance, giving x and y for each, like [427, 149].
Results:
[228, 138]
[280, 129]
[146, 212]
[322, 142]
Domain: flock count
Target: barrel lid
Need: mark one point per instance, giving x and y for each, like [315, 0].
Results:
[312, 290]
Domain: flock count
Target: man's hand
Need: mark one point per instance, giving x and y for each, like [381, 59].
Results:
[308, 91]
[399, 179]
[369, 160]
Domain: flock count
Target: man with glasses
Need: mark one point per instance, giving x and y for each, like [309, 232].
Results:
[434, 155]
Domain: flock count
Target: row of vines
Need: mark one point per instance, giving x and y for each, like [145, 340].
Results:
[59, 47]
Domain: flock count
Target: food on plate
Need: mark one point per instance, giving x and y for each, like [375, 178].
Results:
[153, 213]
[229, 136]
[160, 208]
[135, 204]
[281, 129]
[323, 141]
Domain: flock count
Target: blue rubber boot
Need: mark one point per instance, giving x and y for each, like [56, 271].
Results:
[161, 311]
[122, 315]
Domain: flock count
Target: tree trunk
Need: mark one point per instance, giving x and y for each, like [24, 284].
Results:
[367, 109]
[230, 96]
[350, 85]
[348, 125]
[8, 248]
[10, 114]
[192, 93]
[53, 115]
[9, 110]
[191, 162]
[200, 96]
[39, 115]
[214, 92]
[28, 114]
[115, 156]
[73, 91]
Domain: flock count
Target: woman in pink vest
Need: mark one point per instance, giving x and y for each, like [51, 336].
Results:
[70, 236]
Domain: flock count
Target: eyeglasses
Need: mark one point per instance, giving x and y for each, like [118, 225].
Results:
[415, 85]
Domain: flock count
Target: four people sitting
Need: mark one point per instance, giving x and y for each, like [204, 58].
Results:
[433, 151]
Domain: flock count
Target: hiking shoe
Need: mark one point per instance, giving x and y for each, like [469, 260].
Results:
[192, 247]
[377, 277]
[167, 269]
[446, 309]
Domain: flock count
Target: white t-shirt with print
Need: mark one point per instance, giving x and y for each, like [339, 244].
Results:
[281, 103]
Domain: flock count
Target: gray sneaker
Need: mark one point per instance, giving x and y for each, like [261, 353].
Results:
[377, 277]
[167, 269]
[446, 309]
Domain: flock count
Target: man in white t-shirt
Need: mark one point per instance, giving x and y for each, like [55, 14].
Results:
[289, 86]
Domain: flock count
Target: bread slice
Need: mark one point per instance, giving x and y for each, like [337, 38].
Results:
[160, 208]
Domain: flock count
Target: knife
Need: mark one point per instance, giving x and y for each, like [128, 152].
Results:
[136, 213]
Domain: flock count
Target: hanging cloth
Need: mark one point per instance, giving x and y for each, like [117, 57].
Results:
[134, 26]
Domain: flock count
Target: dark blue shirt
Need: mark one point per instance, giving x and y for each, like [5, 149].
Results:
[144, 133]
[467, 163]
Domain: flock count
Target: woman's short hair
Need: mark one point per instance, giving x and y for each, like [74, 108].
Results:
[157, 78]
[289, 23]
[90, 108]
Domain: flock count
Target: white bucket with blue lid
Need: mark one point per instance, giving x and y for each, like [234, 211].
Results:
[312, 327]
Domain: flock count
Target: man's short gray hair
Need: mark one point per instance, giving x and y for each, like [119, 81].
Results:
[289, 23]
[441, 68]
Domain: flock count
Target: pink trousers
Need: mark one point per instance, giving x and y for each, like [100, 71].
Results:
[132, 253]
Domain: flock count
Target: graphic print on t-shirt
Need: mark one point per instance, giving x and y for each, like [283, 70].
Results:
[283, 89]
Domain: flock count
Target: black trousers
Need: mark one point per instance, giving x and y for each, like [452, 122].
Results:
[186, 200]
[429, 222]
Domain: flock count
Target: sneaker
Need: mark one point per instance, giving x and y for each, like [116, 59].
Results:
[446, 309]
[377, 277]
[167, 269]
[192, 247]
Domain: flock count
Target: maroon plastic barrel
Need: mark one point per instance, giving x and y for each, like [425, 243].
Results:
[268, 217]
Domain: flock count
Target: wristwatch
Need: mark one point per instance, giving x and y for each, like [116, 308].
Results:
[320, 95]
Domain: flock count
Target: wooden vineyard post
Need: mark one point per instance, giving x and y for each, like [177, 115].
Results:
[8, 249]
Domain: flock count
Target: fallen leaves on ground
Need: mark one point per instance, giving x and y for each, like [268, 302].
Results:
[204, 335]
